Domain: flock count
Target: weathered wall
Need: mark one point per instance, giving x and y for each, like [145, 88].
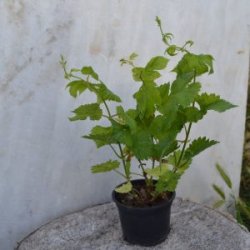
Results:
[44, 164]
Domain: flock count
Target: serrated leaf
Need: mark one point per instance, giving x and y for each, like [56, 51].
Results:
[167, 182]
[219, 191]
[181, 94]
[77, 87]
[157, 171]
[198, 64]
[91, 111]
[121, 133]
[142, 145]
[224, 176]
[126, 118]
[193, 114]
[197, 146]
[213, 102]
[101, 135]
[164, 91]
[125, 188]
[147, 98]
[105, 94]
[157, 63]
[105, 167]
[88, 70]
[218, 203]
[149, 75]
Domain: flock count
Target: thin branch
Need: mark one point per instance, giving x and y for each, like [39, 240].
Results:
[113, 149]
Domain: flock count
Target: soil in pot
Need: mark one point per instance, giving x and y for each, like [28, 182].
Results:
[144, 221]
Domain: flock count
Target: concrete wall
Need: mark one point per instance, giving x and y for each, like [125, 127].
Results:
[44, 164]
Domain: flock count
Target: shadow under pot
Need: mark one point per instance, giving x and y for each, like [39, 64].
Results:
[145, 226]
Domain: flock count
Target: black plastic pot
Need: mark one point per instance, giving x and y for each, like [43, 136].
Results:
[146, 226]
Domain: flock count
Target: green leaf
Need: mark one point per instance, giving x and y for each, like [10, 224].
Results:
[125, 188]
[88, 70]
[77, 87]
[101, 135]
[171, 50]
[165, 146]
[164, 91]
[197, 146]
[181, 94]
[218, 203]
[142, 145]
[167, 182]
[136, 72]
[105, 167]
[141, 74]
[126, 118]
[219, 191]
[196, 64]
[213, 102]
[147, 97]
[91, 111]
[182, 166]
[224, 176]
[157, 63]
[193, 114]
[149, 75]
[121, 133]
[104, 94]
[157, 171]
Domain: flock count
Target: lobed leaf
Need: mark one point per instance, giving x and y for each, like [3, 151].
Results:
[88, 70]
[101, 136]
[197, 146]
[157, 63]
[196, 64]
[105, 167]
[77, 87]
[128, 120]
[104, 94]
[147, 98]
[91, 111]
[213, 102]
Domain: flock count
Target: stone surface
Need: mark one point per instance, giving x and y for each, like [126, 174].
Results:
[193, 227]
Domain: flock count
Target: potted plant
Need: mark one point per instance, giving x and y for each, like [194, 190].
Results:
[156, 133]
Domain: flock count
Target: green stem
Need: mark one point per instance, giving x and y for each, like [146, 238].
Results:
[123, 159]
[113, 149]
[187, 131]
[118, 172]
[137, 174]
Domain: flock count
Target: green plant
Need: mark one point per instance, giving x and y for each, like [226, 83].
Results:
[150, 132]
[242, 210]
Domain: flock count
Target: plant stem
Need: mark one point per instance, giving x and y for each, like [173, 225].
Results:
[123, 159]
[118, 172]
[115, 151]
[137, 174]
[187, 131]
